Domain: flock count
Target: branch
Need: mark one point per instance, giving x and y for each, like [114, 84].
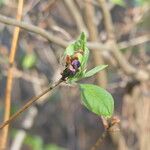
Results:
[111, 125]
[28, 121]
[4, 134]
[50, 37]
[29, 103]
[123, 63]
[76, 15]
[93, 35]
[99, 141]
[135, 41]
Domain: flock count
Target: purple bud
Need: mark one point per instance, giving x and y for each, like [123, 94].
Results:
[72, 70]
[76, 64]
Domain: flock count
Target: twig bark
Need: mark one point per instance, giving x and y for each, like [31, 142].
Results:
[99, 141]
[28, 121]
[111, 126]
[5, 130]
[52, 38]
[93, 35]
[134, 41]
[76, 15]
[118, 139]
[123, 63]
[29, 103]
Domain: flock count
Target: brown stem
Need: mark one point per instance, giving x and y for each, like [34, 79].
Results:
[71, 5]
[93, 35]
[93, 45]
[29, 103]
[5, 130]
[99, 141]
[123, 63]
[34, 29]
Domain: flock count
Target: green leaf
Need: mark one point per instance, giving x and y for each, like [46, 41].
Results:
[97, 100]
[85, 58]
[95, 70]
[79, 44]
[79, 75]
[29, 61]
[70, 50]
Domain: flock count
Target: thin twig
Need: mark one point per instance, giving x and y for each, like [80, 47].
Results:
[47, 35]
[52, 38]
[123, 63]
[111, 125]
[31, 114]
[4, 134]
[93, 35]
[135, 41]
[111, 37]
[76, 15]
[29, 103]
[99, 141]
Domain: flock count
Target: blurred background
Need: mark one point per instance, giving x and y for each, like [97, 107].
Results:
[118, 35]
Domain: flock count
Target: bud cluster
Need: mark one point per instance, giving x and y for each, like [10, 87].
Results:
[73, 64]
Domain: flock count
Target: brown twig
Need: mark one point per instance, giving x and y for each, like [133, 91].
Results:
[134, 41]
[111, 37]
[47, 35]
[99, 141]
[29, 103]
[111, 125]
[4, 134]
[34, 29]
[123, 63]
[93, 35]
[76, 15]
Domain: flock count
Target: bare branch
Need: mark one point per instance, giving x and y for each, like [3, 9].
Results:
[29, 103]
[93, 35]
[52, 38]
[124, 64]
[76, 15]
[8, 90]
[135, 41]
[34, 29]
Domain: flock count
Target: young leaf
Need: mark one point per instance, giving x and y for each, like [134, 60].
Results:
[95, 70]
[80, 43]
[78, 46]
[85, 58]
[97, 100]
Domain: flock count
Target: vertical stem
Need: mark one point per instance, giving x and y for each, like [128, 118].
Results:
[71, 5]
[118, 138]
[5, 130]
[93, 35]
[124, 64]
[107, 19]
